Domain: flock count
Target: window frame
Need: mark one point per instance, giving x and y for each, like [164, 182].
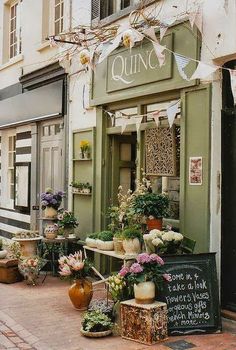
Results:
[60, 19]
[16, 31]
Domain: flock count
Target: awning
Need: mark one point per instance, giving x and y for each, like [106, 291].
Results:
[38, 104]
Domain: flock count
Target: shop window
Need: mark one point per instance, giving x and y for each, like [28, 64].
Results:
[11, 164]
[58, 16]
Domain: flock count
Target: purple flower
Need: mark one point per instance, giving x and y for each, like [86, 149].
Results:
[136, 268]
[167, 277]
[124, 270]
[156, 258]
[143, 258]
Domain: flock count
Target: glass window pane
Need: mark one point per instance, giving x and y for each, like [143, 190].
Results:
[57, 12]
[57, 27]
[125, 179]
[125, 151]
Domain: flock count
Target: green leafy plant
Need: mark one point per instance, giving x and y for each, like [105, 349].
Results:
[131, 233]
[151, 204]
[93, 235]
[66, 219]
[105, 236]
[96, 321]
[118, 234]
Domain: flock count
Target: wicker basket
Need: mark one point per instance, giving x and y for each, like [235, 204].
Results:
[95, 334]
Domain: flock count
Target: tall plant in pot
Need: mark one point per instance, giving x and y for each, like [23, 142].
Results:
[50, 202]
[132, 238]
[105, 240]
[154, 207]
[77, 269]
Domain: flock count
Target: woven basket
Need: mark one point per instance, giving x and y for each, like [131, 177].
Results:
[95, 334]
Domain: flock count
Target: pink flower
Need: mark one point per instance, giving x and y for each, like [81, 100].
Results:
[167, 277]
[143, 258]
[136, 268]
[124, 270]
[78, 265]
[156, 258]
[65, 271]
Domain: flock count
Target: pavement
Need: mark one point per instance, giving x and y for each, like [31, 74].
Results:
[42, 318]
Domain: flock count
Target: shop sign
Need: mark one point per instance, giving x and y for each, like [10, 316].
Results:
[132, 67]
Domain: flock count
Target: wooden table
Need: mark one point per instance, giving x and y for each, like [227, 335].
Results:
[126, 259]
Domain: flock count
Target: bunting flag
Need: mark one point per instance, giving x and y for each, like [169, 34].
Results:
[156, 116]
[233, 83]
[195, 17]
[159, 52]
[163, 30]
[182, 62]
[150, 32]
[125, 123]
[138, 121]
[110, 48]
[203, 71]
[171, 112]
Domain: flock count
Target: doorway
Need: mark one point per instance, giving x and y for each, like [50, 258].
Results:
[228, 229]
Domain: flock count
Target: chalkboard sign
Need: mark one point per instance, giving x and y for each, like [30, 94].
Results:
[192, 295]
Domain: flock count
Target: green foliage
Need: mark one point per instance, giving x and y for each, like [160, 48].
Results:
[93, 235]
[118, 234]
[131, 233]
[151, 204]
[105, 236]
[96, 321]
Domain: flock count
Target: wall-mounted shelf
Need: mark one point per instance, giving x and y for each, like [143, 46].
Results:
[81, 159]
[82, 194]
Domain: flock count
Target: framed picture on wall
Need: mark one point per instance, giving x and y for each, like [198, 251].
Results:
[22, 187]
[195, 170]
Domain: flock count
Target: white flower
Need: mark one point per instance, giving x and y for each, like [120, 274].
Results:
[178, 236]
[156, 232]
[84, 57]
[150, 236]
[157, 242]
[168, 236]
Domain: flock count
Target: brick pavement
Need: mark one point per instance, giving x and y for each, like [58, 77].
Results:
[42, 318]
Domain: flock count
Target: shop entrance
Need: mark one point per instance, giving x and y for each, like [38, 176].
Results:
[228, 271]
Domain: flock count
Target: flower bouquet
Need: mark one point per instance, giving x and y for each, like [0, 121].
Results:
[30, 268]
[163, 242]
[50, 199]
[85, 149]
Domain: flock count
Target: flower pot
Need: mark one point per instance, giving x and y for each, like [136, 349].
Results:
[81, 293]
[50, 231]
[144, 292]
[28, 246]
[86, 190]
[68, 231]
[3, 254]
[132, 246]
[95, 334]
[91, 242]
[105, 245]
[81, 155]
[154, 224]
[50, 213]
[118, 245]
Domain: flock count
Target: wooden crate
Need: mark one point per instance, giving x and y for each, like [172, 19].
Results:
[9, 272]
[144, 323]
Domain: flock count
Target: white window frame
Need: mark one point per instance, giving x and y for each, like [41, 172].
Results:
[16, 29]
[59, 4]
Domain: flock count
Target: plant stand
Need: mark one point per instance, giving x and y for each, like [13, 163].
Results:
[145, 323]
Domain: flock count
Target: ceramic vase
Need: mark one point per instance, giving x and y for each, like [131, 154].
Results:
[50, 213]
[144, 292]
[81, 293]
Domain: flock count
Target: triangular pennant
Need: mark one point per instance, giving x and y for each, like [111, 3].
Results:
[156, 116]
[203, 71]
[138, 121]
[233, 83]
[163, 30]
[182, 62]
[195, 17]
[150, 32]
[110, 48]
[171, 111]
[124, 124]
[159, 52]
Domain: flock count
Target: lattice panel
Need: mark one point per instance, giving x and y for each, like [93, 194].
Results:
[160, 151]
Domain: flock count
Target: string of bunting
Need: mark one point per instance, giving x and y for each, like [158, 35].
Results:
[171, 111]
[94, 45]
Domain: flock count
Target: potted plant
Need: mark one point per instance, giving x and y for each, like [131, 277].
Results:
[118, 242]
[163, 242]
[30, 268]
[77, 268]
[105, 240]
[28, 242]
[132, 240]
[50, 202]
[152, 206]
[76, 186]
[67, 221]
[85, 149]
[87, 188]
[96, 324]
[145, 275]
[91, 240]
[3, 252]
[51, 231]
[104, 306]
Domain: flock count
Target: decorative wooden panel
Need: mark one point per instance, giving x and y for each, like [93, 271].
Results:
[160, 150]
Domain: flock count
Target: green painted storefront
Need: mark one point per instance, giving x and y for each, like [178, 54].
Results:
[133, 79]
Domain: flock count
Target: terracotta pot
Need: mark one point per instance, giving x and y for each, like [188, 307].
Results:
[81, 293]
[132, 246]
[144, 292]
[50, 213]
[154, 224]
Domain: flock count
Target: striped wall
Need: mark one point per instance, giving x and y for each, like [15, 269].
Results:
[12, 221]
[0, 165]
